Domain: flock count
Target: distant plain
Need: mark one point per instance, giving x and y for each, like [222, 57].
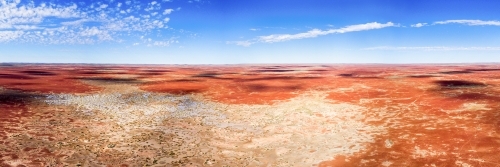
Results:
[250, 115]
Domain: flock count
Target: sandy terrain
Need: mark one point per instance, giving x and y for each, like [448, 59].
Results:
[249, 115]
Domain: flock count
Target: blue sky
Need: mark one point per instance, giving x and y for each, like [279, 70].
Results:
[249, 31]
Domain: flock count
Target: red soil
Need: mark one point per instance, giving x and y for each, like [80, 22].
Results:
[44, 78]
[421, 100]
[434, 89]
[239, 85]
[473, 137]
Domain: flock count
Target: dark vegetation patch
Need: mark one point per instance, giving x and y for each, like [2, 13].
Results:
[150, 73]
[470, 96]
[319, 70]
[458, 84]
[346, 75]
[207, 75]
[212, 75]
[109, 79]
[266, 88]
[38, 73]
[455, 72]
[357, 76]
[276, 78]
[14, 76]
[229, 73]
[182, 92]
[157, 71]
[483, 69]
[186, 80]
[422, 76]
[99, 72]
[467, 71]
[90, 72]
[17, 97]
[273, 67]
[22, 83]
[476, 96]
[271, 70]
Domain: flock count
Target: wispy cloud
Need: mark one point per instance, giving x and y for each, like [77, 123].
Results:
[75, 22]
[168, 11]
[240, 43]
[313, 33]
[164, 43]
[471, 22]
[103, 6]
[432, 48]
[316, 32]
[418, 25]
[10, 35]
[50, 23]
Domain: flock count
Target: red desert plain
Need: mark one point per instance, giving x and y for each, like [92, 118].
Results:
[250, 115]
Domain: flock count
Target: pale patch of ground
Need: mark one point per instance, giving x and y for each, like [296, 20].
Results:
[425, 153]
[188, 129]
[462, 164]
[386, 163]
[300, 132]
[469, 107]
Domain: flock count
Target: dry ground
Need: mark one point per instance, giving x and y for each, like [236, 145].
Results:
[249, 115]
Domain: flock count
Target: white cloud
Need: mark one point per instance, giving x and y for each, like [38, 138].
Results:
[103, 6]
[11, 11]
[418, 25]
[240, 43]
[75, 23]
[432, 48]
[25, 27]
[161, 43]
[94, 31]
[470, 22]
[21, 22]
[316, 32]
[168, 11]
[153, 6]
[313, 33]
[254, 29]
[6, 36]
